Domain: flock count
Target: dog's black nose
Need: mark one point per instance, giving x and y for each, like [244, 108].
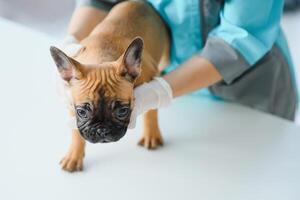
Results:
[102, 131]
[91, 136]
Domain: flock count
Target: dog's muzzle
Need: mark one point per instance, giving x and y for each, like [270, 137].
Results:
[101, 134]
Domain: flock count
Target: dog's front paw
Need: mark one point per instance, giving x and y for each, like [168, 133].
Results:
[151, 139]
[73, 161]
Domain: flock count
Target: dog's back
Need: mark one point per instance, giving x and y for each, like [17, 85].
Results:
[124, 22]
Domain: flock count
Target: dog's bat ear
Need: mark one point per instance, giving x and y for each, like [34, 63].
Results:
[132, 58]
[67, 67]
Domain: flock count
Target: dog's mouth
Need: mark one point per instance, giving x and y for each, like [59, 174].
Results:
[107, 140]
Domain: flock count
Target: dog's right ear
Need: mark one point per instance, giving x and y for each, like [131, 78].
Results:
[67, 67]
[131, 60]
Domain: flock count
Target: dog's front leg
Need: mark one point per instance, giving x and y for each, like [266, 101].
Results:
[73, 160]
[151, 138]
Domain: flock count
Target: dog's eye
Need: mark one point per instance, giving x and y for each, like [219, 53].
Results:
[81, 113]
[84, 110]
[122, 112]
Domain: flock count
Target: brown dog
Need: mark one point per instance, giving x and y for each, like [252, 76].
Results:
[102, 76]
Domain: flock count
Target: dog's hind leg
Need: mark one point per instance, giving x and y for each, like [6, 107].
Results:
[151, 138]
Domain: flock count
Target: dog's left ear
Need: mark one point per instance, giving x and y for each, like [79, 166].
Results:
[130, 67]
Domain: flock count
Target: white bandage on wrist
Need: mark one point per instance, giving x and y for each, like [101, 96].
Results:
[152, 95]
[155, 94]
[164, 93]
[70, 45]
[70, 39]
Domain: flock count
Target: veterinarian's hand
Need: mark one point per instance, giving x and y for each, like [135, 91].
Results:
[152, 95]
[70, 45]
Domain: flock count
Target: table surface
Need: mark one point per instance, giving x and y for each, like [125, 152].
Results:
[213, 150]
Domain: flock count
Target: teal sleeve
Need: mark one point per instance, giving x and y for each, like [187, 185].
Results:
[248, 29]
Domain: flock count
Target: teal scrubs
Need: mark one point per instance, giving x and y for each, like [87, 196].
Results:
[244, 41]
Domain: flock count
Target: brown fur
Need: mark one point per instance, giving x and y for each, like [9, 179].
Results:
[100, 63]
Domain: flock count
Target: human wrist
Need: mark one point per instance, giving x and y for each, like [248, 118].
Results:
[152, 95]
[164, 91]
[70, 39]
[70, 45]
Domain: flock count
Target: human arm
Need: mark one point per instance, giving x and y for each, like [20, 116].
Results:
[194, 74]
[84, 20]
[232, 48]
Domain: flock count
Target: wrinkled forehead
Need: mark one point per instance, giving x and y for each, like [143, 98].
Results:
[101, 84]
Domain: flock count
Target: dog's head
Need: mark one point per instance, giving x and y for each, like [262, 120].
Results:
[102, 95]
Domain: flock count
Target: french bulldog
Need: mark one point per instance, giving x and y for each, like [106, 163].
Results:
[123, 51]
